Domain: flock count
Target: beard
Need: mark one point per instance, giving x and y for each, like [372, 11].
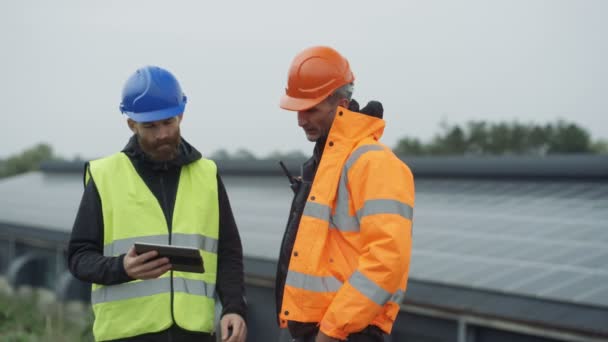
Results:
[161, 150]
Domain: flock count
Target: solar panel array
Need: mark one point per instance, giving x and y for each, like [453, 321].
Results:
[40, 200]
[541, 239]
[546, 239]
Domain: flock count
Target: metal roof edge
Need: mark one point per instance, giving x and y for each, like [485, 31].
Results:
[577, 318]
[574, 166]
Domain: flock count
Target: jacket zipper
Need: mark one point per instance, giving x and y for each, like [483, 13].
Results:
[164, 197]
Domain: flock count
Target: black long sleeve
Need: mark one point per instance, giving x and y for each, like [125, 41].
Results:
[85, 249]
[230, 275]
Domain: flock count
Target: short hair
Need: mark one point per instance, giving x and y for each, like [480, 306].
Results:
[344, 92]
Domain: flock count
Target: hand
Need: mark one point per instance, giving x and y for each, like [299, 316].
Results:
[144, 266]
[321, 337]
[236, 324]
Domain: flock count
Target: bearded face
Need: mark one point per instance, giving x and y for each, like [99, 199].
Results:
[158, 139]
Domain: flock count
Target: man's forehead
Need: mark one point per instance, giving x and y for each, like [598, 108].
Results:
[319, 106]
[312, 109]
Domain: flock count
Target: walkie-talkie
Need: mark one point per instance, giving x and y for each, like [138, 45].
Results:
[293, 181]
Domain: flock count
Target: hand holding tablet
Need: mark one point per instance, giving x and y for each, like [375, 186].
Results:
[184, 259]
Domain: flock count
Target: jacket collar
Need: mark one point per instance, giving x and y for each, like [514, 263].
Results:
[350, 126]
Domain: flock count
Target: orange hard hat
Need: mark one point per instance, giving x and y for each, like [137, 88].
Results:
[315, 74]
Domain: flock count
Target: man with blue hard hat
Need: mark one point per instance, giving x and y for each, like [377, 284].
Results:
[157, 190]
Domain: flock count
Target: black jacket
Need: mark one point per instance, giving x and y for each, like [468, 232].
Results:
[301, 188]
[85, 250]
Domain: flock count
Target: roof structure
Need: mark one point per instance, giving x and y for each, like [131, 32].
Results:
[522, 237]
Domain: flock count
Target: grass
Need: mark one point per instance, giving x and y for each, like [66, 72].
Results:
[30, 317]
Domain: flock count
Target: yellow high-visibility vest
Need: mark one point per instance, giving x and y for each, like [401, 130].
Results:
[131, 213]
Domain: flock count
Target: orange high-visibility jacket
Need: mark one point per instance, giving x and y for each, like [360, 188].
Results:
[351, 256]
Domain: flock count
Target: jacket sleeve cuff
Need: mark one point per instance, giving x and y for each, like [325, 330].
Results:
[240, 309]
[332, 331]
[123, 277]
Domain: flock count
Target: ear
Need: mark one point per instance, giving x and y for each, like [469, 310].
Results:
[180, 118]
[132, 126]
[343, 103]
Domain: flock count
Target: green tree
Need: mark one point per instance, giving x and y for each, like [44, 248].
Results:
[453, 142]
[220, 154]
[28, 160]
[569, 138]
[600, 146]
[539, 140]
[514, 138]
[410, 146]
[478, 138]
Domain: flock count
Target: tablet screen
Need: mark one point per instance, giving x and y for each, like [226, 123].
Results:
[183, 259]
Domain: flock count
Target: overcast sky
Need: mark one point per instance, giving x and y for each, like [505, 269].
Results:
[63, 65]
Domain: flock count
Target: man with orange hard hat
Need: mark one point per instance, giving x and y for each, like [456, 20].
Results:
[344, 260]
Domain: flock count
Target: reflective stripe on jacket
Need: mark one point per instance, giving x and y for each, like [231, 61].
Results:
[350, 260]
[131, 213]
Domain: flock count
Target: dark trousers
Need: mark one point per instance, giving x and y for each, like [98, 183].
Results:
[173, 334]
[369, 334]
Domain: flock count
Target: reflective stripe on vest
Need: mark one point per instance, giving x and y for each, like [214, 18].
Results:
[132, 213]
[151, 287]
[344, 222]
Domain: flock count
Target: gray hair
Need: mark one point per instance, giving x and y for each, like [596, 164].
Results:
[344, 92]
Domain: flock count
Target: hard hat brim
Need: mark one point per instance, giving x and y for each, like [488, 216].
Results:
[295, 104]
[157, 115]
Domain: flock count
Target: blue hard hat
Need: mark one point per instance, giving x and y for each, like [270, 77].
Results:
[152, 94]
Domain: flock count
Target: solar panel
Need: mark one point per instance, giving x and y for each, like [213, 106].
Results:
[532, 237]
[545, 280]
[599, 297]
[536, 238]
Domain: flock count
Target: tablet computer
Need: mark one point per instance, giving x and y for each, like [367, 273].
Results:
[184, 259]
